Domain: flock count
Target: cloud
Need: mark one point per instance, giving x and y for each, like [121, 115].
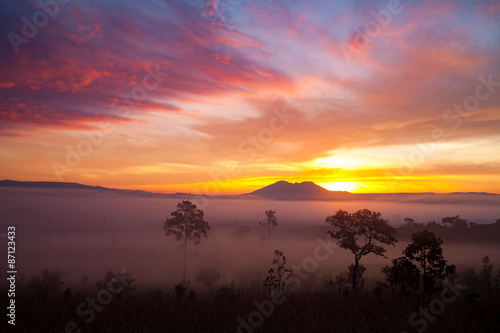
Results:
[89, 55]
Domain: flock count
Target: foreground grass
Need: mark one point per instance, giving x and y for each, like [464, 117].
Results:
[302, 311]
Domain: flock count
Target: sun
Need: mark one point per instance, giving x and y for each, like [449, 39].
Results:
[340, 186]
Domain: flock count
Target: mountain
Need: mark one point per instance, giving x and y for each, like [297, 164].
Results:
[74, 186]
[281, 190]
[284, 190]
[56, 185]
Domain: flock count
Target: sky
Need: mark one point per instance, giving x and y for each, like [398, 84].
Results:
[224, 97]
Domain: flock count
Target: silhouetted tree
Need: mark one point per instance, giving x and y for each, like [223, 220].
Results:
[276, 279]
[433, 225]
[471, 279]
[425, 249]
[46, 283]
[379, 288]
[111, 281]
[186, 224]
[271, 222]
[485, 273]
[402, 275]
[226, 293]
[180, 291]
[341, 281]
[409, 222]
[209, 277]
[356, 275]
[455, 222]
[359, 232]
[67, 293]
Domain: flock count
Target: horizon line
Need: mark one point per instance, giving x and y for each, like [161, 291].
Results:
[243, 193]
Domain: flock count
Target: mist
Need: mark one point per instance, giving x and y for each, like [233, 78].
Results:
[87, 233]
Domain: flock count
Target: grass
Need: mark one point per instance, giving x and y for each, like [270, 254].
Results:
[318, 310]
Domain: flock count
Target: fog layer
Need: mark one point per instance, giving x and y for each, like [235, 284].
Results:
[89, 232]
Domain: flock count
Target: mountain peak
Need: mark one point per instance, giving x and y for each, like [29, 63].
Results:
[306, 190]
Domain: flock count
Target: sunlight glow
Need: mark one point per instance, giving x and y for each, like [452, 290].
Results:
[340, 186]
[336, 162]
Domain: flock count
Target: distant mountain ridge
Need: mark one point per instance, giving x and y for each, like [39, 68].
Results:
[15, 183]
[72, 186]
[281, 190]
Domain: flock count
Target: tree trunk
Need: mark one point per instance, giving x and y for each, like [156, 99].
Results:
[185, 249]
[269, 237]
[424, 287]
[355, 277]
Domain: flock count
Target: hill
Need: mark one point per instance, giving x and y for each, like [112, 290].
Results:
[72, 186]
[284, 190]
[281, 190]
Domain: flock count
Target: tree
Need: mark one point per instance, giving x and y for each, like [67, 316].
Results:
[341, 281]
[471, 279]
[271, 222]
[46, 283]
[409, 222]
[276, 279]
[358, 275]
[379, 288]
[122, 281]
[455, 222]
[186, 224]
[402, 275]
[359, 232]
[209, 277]
[425, 249]
[485, 273]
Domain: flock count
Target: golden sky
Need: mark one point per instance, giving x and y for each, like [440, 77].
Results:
[221, 97]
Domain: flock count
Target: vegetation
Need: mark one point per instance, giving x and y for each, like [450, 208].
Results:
[387, 306]
[317, 309]
[110, 281]
[357, 275]
[458, 232]
[485, 274]
[368, 226]
[426, 250]
[455, 222]
[209, 277]
[46, 284]
[341, 282]
[277, 277]
[403, 276]
[271, 222]
[186, 224]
